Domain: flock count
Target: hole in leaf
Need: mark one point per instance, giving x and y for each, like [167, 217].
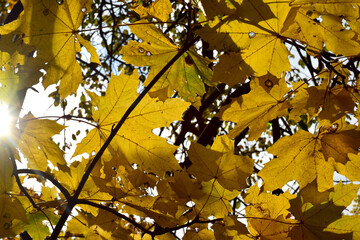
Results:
[269, 83]
[189, 60]
[32, 54]
[148, 53]
[252, 34]
[141, 50]
[333, 128]
[60, 2]
[46, 12]
[83, 9]
[15, 37]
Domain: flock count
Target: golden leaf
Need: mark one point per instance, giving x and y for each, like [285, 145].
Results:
[187, 75]
[36, 144]
[135, 140]
[220, 163]
[257, 108]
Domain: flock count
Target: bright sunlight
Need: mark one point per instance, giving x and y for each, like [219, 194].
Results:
[5, 120]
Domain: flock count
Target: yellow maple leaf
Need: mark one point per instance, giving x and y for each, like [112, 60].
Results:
[187, 75]
[274, 205]
[135, 140]
[349, 225]
[185, 187]
[311, 194]
[268, 228]
[52, 30]
[312, 156]
[328, 104]
[36, 144]
[344, 7]
[231, 69]
[313, 219]
[340, 139]
[254, 27]
[352, 167]
[215, 202]
[257, 108]
[304, 161]
[267, 213]
[221, 163]
[303, 24]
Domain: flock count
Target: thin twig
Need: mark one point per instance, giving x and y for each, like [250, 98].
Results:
[48, 177]
[23, 190]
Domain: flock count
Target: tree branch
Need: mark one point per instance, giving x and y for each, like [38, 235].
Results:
[25, 235]
[116, 213]
[47, 176]
[74, 198]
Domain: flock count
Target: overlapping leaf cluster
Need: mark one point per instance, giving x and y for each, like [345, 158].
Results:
[128, 183]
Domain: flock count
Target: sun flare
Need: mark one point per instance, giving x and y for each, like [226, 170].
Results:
[5, 120]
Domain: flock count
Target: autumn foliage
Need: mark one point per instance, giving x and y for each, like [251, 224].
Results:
[201, 120]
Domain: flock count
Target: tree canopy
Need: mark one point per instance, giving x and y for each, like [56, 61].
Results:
[209, 119]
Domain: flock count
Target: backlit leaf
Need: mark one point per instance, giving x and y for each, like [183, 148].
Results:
[313, 219]
[328, 104]
[216, 200]
[187, 75]
[36, 143]
[257, 108]
[312, 157]
[53, 29]
[135, 140]
[254, 29]
[220, 163]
